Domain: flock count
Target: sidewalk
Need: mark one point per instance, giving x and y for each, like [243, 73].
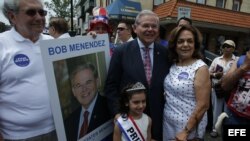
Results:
[209, 138]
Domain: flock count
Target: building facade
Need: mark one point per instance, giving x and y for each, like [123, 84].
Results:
[218, 20]
[84, 14]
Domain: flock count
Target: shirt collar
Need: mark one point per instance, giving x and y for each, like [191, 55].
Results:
[18, 37]
[232, 58]
[65, 35]
[141, 45]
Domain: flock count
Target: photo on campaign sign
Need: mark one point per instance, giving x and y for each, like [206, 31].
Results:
[76, 70]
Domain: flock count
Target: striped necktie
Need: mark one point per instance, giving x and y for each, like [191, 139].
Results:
[147, 64]
[84, 127]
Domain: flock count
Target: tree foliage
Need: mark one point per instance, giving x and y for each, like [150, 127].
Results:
[61, 8]
[4, 27]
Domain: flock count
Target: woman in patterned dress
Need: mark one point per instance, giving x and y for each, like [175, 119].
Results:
[187, 87]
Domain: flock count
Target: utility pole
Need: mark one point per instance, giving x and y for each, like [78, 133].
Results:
[72, 32]
[71, 8]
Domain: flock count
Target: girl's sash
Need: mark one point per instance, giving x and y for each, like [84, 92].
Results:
[130, 129]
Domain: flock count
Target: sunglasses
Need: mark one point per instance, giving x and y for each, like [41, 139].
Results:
[227, 46]
[121, 28]
[32, 12]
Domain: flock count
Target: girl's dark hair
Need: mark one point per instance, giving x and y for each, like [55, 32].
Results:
[175, 33]
[125, 97]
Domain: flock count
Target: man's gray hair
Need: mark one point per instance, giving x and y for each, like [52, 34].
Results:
[144, 13]
[12, 6]
[85, 66]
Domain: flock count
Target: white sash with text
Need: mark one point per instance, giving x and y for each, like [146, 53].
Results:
[130, 129]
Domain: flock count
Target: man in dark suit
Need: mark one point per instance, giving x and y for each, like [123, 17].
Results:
[127, 66]
[84, 81]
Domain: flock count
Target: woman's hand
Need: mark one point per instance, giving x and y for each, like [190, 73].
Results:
[246, 65]
[181, 136]
[218, 75]
[93, 34]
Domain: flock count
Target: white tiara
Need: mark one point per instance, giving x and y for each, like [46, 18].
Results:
[136, 86]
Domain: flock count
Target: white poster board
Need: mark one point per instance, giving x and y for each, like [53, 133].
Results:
[59, 57]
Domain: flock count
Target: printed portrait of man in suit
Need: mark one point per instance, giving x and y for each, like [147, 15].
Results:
[84, 109]
[84, 83]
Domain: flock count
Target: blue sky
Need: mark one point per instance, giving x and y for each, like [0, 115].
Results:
[2, 17]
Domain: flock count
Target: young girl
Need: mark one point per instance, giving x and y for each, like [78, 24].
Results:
[131, 123]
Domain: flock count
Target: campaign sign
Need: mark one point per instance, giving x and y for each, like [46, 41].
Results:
[75, 70]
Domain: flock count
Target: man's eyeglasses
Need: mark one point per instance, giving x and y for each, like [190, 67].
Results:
[120, 28]
[87, 84]
[32, 12]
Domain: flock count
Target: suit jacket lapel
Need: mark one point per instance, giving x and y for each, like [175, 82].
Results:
[92, 121]
[156, 62]
[138, 60]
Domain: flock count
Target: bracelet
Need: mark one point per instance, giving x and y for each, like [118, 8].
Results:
[187, 130]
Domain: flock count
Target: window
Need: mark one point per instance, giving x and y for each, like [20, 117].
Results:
[201, 1]
[236, 5]
[108, 2]
[220, 3]
[157, 2]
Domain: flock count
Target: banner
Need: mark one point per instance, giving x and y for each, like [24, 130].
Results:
[60, 58]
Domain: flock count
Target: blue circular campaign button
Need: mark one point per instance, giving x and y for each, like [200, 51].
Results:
[21, 60]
